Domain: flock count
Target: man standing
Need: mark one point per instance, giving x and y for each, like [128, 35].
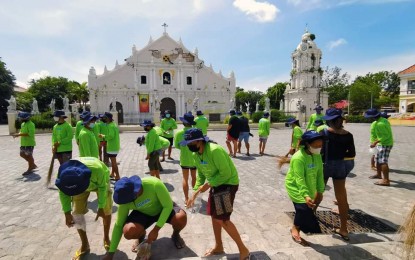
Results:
[315, 116]
[76, 179]
[113, 144]
[103, 130]
[383, 143]
[88, 146]
[168, 124]
[264, 127]
[295, 136]
[80, 125]
[153, 147]
[149, 202]
[232, 133]
[27, 141]
[201, 122]
[61, 137]
[244, 134]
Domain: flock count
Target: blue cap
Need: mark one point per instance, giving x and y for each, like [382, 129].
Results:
[291, 120]
[384, 115]
[310, 136]
[84, 114]
[193, 134]
[73, 177]
[199, 113]
[266, 114]
[332, 113]
[108, 115]
[188, 118]
[59, 113]
[24, 115]
[126, 189]
[373, 112]
[147, 123]
[88, 119]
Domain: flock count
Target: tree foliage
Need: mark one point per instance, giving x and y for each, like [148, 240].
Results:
[276, 94]
[336, 84]
[6, 88]
[242, 97]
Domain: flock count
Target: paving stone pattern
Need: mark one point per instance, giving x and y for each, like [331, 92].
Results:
[32, 223]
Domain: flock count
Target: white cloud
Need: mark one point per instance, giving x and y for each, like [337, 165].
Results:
[263, 83]
[38, 75]
[260, 11]
[336, 43]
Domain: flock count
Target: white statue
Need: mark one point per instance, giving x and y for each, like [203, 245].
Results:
[232, 105]
[257, 107]
[195, 103]
[240, 107]
[247, 106]
[156, 103]
[52, 105]
[65, 104]
[282, 105]
[113, 104]
[267, 108]
[35, 108]
[12, 104]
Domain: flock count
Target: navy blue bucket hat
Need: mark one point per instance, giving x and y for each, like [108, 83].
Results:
[88, 119]
[24, 115]
[193, 134]
[108, 115]
[126, 189]
[199, 113]
[373, 112]
[59, 113]
[85, 114]
[188, 118]
[332, 113]
[73, 178]
[147, 123]
[310, 136]
[384, 115]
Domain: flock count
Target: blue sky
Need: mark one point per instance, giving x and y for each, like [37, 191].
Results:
[252, 38]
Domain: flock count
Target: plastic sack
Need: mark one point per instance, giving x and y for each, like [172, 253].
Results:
[143, 251]
[197, 205]
[373, 151]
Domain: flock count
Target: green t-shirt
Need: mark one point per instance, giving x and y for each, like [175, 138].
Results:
[372, 132]
[263, 127]
[78, 127]
[99, 181]
[96, 130]
[202, 123]
[383, 132]
[27, 127]
[215, 166]
[152, 141]
[103, 129]
[186, 156]
[168, 125]
[113, 138]
[159, 131]
[88, 146]
[62, 133]
[313, 118]
[155, 200]
[305, 176]
[165, 143]
[296, 136]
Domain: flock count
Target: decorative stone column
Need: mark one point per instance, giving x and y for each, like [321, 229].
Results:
[11, 119]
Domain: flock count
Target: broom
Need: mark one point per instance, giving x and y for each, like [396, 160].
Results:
[49, 177]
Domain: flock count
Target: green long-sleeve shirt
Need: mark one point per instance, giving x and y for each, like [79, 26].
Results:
[215, 166]
[383, 132]
[264, 127]
[99, 181]
[103, 129]
[165, 143]
[202, 123]
[29, 128]
[305, 176]
[155, 200]
[168, 125]
[152, 141]
[78, 128]
[62, 133]
[88, 146]
[373, 132]
[186, 156]
[296, 136]
[113, 138]
[313, 118]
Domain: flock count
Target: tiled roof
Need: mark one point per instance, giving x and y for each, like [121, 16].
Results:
[408, 70]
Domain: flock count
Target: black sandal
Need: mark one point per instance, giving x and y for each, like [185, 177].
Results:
[178, 241]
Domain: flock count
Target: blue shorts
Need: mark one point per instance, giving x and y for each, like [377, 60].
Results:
[338, 169]
[244, 136]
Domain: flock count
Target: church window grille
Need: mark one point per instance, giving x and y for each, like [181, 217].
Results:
[143, 79]
[166, 78]
[189, 80]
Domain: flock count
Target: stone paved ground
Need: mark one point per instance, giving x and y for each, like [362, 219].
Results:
[32, 224]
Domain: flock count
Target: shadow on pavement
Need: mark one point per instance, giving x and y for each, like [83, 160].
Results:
[169, 187]
[118, 255]
[403, 185]
[169, 171]
[351, 175]
[245, 158]
[164, 248]
[31, 177]
[343, 252]
[93, 206]
[402, 171]
[256, 255]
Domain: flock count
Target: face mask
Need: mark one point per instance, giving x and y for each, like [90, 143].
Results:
[167, 115]
[193, 147]
[56, 118]
[91, 125]
[314, 150]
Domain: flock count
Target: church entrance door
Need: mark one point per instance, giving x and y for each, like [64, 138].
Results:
[168, 104]
[118, 107]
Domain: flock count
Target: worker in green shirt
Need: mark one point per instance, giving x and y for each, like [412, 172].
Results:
[305, 185]
[61, 137]
[163, 141]
[153, 147]
[187, 163]
[201, 122]
[76, 180]
[80, 125]
[383, 143]
[264, 126]
[315, 116]
[216, 172]
[168, 124]
[320, 125]
[113, 144]
[27, 141]
[103, 129]
[88, 146]
[295, 136]
[142, 202]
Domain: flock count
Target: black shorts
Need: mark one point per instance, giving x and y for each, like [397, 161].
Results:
[211, 210]
[170, 140]
[146, 220]
[188, 167]
[27, 150]
[153, 161]
[63, 156]
[305, 219]
[111, 154]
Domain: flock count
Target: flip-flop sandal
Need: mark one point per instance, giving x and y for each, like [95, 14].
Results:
[178, 241]
[80, 254]
[27, 173]
[298, 240]
[344, 237]
[210, 252]
[375, 177]
[382, 183]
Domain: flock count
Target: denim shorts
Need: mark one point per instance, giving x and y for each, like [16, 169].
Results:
[338, 169]
[244, 136]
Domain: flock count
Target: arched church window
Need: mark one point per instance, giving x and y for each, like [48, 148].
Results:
[166, 78]
[143, 79]
[313, 60]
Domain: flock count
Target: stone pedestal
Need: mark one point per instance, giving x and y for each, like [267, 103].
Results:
[11, 119]
[115, 116]
[69, 117]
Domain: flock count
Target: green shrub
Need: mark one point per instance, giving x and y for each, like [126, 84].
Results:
[256, 116]
[226, 120]
[278, 116]
[41, 121]
[357, 119]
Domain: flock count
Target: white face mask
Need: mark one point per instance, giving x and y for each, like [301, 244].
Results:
[314, 150]
[56, 118]
[91, 125]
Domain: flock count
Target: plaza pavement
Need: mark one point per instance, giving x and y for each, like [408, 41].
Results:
[32, 224]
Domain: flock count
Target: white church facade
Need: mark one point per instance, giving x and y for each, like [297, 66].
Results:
[164, 75]
[304, 93]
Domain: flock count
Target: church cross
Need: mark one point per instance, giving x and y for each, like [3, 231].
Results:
[165, 27]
